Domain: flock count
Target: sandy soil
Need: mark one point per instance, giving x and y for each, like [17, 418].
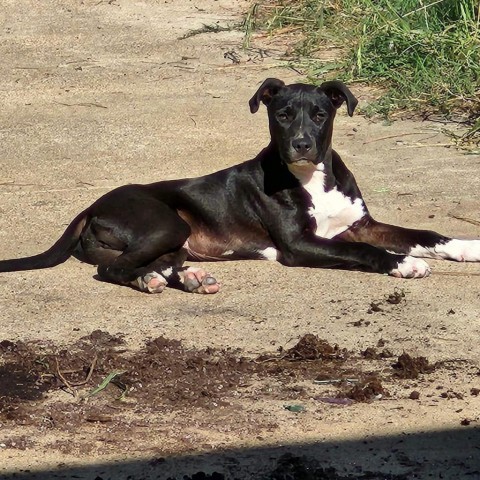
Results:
[96, 94]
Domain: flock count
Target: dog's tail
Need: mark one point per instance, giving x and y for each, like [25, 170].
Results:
[55, 255]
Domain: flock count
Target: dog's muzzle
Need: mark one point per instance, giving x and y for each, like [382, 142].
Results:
[303, 151]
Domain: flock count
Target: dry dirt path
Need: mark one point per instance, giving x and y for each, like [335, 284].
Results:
[96, 94]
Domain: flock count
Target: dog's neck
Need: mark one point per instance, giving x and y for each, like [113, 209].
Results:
[287, 176]
[305, 172]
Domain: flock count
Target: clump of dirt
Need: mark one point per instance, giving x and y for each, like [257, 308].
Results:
[101, 338]
[311, 347]
[369, 389]
[293, 467]
[203, 476]
[395, 298]
[124, 388]
[411, 367]
[165, 372]
[162, 373]
[414, 395]
[328, 364]
[375, 307]
[20, 442]
[371, 353]
[7, 346]
[311, 358]
[452, 394]
[18, 378]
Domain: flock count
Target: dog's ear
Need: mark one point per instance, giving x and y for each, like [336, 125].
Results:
[268, 89]
[338, 93]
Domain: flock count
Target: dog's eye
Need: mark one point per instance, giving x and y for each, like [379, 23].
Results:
[318, 117]
[282, 116]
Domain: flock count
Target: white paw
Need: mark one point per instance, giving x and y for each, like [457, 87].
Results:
[460, 250]
[411, 267]
[197, 280]
[151, 282]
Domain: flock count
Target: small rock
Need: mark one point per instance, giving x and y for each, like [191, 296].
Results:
[294, 408]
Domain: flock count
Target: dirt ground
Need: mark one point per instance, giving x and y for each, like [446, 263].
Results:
[251, 382]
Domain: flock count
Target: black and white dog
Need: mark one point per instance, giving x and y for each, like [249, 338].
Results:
[296, 203]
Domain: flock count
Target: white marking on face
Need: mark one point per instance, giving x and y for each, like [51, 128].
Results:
[411, 268]
[269, 253]
[228, 252]
[458, 250]
[333, 211]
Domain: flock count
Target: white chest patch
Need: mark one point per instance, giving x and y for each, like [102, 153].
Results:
[333, 211]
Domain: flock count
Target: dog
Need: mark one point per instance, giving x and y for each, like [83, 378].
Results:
[296, 202]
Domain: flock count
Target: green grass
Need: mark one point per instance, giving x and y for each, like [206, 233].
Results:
[425, 54]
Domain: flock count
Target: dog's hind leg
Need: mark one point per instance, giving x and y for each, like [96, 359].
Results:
[189, 279]
[141, 244]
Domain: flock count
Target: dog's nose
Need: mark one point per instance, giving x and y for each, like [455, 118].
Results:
[302, 145]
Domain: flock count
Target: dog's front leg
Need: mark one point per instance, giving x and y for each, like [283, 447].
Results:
[417, 243]
[311, 251]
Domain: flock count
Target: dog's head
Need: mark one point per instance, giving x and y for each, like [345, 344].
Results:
[301, 117]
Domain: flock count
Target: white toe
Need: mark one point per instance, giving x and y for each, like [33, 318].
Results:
[411, 267]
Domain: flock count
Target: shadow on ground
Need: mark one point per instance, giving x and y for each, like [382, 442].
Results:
[452, 454]
[184, 390]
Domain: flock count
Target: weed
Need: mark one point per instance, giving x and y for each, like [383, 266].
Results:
[205, 28]
[424, 53]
